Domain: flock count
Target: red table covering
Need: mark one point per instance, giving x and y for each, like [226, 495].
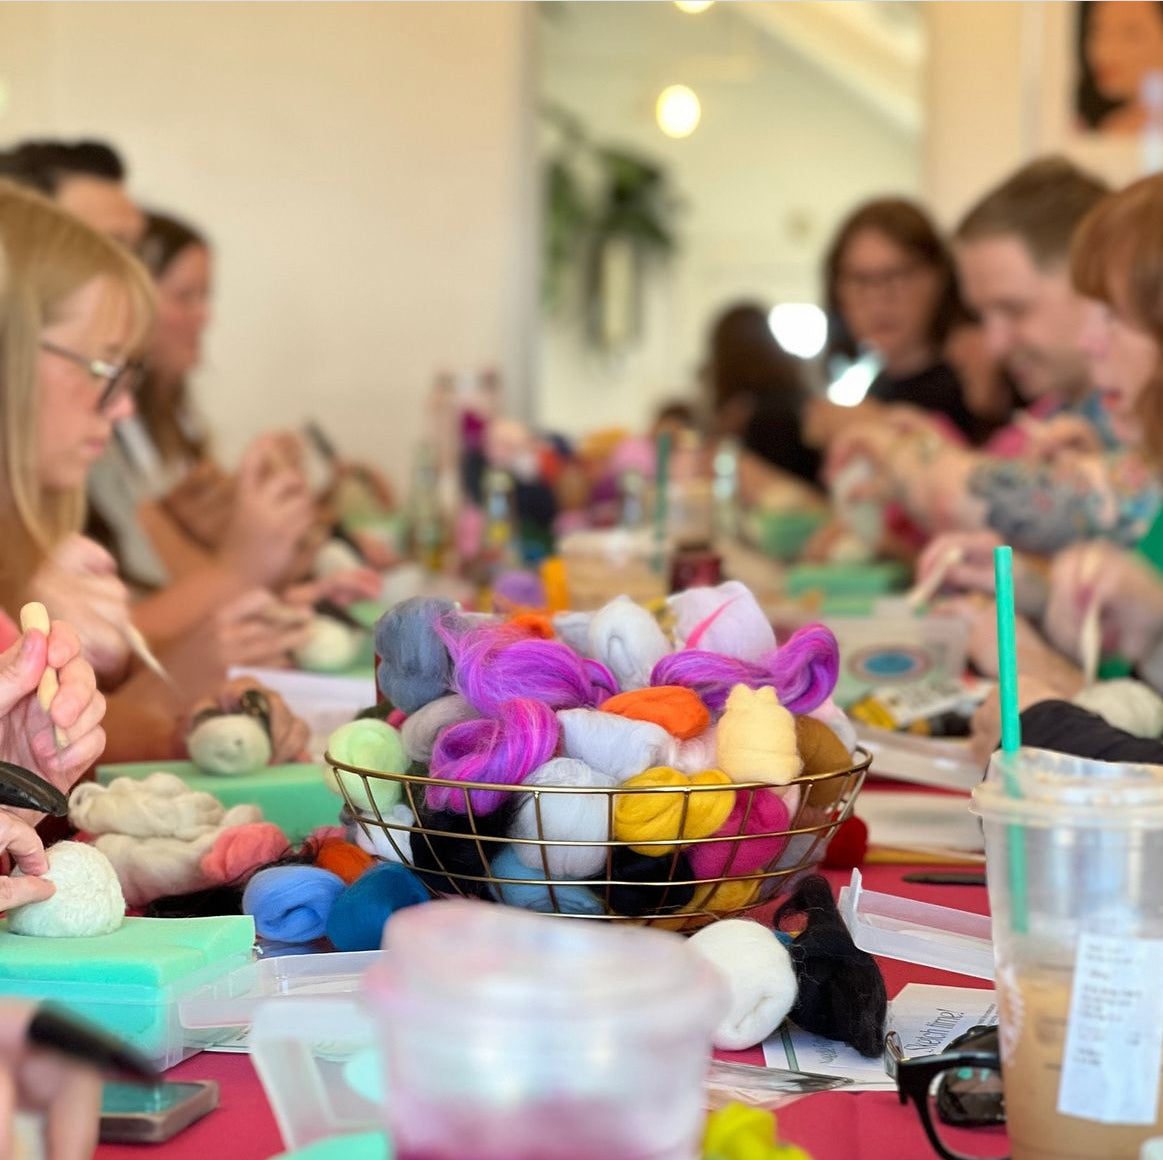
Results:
[830, 1125]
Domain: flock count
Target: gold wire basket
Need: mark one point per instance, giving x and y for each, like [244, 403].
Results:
[825, 801]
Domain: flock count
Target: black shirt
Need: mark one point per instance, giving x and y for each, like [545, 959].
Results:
[773, 433]
[937, 388]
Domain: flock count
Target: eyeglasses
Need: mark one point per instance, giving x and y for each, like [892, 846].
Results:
[892, 279]
[119, 378]
[957, 1094]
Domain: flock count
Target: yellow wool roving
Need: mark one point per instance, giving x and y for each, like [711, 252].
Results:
[674, 815]
[757, 738]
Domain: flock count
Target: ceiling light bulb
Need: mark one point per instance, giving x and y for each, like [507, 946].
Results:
[678, 111]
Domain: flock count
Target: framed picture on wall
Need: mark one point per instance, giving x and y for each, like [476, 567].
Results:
[1118, 52]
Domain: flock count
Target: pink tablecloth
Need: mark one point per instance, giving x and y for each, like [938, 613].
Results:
[830, 1126]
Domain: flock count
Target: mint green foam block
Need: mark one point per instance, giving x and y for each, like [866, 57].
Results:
[846, 580]
[130, 981]
[294, 797]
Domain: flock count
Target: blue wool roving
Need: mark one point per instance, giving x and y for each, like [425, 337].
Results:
[291, 903]
[530, 894]
[356, 922]
[415, 667]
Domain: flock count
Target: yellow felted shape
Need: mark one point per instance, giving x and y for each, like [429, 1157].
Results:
[647, 817]
[723, 896]
[756, 739]
[737, 1132]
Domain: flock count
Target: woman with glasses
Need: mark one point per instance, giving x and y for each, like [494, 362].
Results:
[892, 290]
[75, 311]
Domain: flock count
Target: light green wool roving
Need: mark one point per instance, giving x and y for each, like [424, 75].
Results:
[373, 745]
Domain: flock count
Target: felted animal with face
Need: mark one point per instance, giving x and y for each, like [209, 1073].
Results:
[231, 744]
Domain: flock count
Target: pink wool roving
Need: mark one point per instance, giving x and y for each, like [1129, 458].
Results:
[502, 751]
[496, 663]
[760, 811]
[725, 619]
[241, 849]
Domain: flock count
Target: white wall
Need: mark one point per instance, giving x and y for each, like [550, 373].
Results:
[362, 168]
[783, 152]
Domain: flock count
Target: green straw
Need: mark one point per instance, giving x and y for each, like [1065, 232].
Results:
[661, 482]
[1011, 727]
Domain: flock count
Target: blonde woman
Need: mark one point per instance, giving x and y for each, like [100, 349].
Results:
[75, 310]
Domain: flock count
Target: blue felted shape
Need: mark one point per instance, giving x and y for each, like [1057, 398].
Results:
[415, 667]
[531, 894]
[356, 922]
[291, 903]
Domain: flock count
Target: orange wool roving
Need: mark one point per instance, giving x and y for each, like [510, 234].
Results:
[343, 859]
[679, 711]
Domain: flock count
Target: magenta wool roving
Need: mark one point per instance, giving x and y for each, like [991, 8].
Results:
[497, 663]
[803, 672]
[760, 811]
[503, 751]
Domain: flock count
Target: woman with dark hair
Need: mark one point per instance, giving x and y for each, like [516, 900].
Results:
[891, 288]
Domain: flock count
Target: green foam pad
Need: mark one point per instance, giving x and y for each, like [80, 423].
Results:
[129, 982]
[783, 535]
[843, 580]
[365, 1146]
[294, 797]
[153, 952]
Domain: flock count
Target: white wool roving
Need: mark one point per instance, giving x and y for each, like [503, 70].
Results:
[741, 630]
[578, 817]
[628, 641]
[1126, 704]
[420, 730]
[573, 629]
[379, 843]
[331, 645]
[229, 745]
[759, 975]
[839, 722]
[611, 744]
[88, 899]
[150, 868]
[158, 806]
[693, 755]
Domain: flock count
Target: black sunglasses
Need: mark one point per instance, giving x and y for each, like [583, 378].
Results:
[962, 1084]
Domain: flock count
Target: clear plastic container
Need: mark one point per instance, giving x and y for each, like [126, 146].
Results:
[509, 1036]
[1075, 861]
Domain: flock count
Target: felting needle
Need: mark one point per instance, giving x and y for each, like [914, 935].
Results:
[920, 594]
[144, 653]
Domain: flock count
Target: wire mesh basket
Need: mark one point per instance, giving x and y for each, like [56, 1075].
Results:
[459, 862]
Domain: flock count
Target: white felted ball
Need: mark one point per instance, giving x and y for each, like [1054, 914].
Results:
[88, 899]
[611, 744]
[229, 745]
[628, 641]
[336, 556]
[158, 806]
[1126, 704]
[759, 975]
[565, 817]
[331, 645]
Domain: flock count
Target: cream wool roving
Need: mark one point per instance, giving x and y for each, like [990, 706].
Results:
[759, 975]
[88, 899]
[157, 806]
[564, 817]
[229, 745]
[628, 641]
[610, 744]
[739, 628]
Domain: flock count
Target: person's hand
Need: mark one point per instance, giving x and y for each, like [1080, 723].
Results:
[1060, 436]
[873, 443]
[974, 569]
[1126, 589]
[257, 630]
[985, 728]
[273, 513]
[201, 503]
[34, 1079]
[21, 845]
[27, 732]
[1036, 659]
[79, 584]
[342, 588]
[289, 734]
